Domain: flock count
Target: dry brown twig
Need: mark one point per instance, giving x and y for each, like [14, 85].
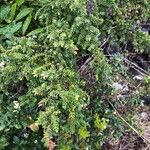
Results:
[104, 42]
[83, 67]
[130, 126]
[136, 67]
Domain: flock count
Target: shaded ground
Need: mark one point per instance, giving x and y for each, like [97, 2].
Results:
[131, 140]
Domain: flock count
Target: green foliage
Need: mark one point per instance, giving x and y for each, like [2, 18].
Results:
[145, 88]
[101, 124]
[84, 133]
[141, 42]
[41, 87]
[11, 18]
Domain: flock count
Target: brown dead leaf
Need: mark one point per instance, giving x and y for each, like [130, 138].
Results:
[51, 145]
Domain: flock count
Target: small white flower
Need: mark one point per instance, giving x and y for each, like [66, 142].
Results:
[136, 92]
[2, 64]
[138, 78]
[26, 135]
[35, 141]
[14, 111]
[117, 86]
[142, 104]
[144, 116]
[120, 97]
[83, 105]
[34, 36]
[16, 105]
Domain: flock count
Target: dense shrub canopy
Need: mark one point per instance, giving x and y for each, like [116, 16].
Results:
[54, 77]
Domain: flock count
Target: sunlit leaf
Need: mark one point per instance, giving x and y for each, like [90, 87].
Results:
[23, 13]
[100, 123]
[19, 2]
[36, 31]
[26, 24]
[11, 28]
[12, 11]
[84, 133]
[4, 11]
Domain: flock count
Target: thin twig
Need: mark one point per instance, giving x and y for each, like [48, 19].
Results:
[140, 69]
[90, 58]
[83, 67]
[136, 131]
[104, 42]
[136, 67]
[125, 147]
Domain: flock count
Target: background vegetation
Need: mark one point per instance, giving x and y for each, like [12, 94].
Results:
[56, 71]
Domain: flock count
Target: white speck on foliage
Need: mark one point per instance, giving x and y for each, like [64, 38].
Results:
[117, 86]
[120, 97]
[16, 105]
[2, 64]
[144, 116]
[26, 135]
[138, 77]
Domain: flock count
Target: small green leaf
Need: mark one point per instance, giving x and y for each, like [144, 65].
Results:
[19, 2]
[66, 147]
[36, 31]
[26, 24]
[15, 27]
[23, 13]
[3, 142]
[11, 28]
[4, 11]
[12, 11]
[84, 133]
[100, 123]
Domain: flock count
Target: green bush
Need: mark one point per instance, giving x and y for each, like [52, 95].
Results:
[44, 96]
